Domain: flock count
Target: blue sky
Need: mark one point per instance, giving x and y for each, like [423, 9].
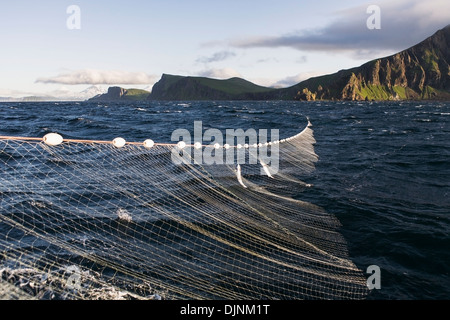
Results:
[131, 43]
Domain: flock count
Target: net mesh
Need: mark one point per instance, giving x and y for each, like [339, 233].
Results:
[89, 220]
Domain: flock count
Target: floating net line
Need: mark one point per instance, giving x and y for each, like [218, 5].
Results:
[121, 220]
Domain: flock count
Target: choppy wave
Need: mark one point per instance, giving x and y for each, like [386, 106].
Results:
[382, 170]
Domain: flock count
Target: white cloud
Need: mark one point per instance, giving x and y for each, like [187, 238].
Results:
[403, 23]
[291, 80]
[218, 56]
[224, 73]
[90, 76]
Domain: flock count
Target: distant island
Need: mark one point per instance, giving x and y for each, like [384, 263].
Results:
[421, 72]
[118, 93]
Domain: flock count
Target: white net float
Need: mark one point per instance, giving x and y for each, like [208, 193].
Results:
[119, 142]
[52, 139]
[149, 143]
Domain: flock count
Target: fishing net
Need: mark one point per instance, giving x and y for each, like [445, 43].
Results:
[118, 220]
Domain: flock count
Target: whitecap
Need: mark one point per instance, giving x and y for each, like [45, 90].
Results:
[124, 215]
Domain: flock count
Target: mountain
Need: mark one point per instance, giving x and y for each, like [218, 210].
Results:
[420, 72]
[91, 91]
[118, 93]
[173, 87]
[35, 98]
[62, 94]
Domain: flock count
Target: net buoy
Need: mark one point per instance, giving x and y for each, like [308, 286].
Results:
[119, 142]
[52, 139]
[197, 145]
[181, 145]
[149, 143]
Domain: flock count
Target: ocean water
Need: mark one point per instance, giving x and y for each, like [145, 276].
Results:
[383, 168]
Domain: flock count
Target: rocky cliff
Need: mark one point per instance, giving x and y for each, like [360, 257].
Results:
[420, 72]
[118, 93]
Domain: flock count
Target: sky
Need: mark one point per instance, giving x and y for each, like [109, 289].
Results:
[47, 48]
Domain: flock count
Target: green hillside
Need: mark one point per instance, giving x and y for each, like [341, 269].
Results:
[136, 94]
[173, 87]
[120, 94]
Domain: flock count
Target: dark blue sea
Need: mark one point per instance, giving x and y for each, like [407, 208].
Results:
[383, 169]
